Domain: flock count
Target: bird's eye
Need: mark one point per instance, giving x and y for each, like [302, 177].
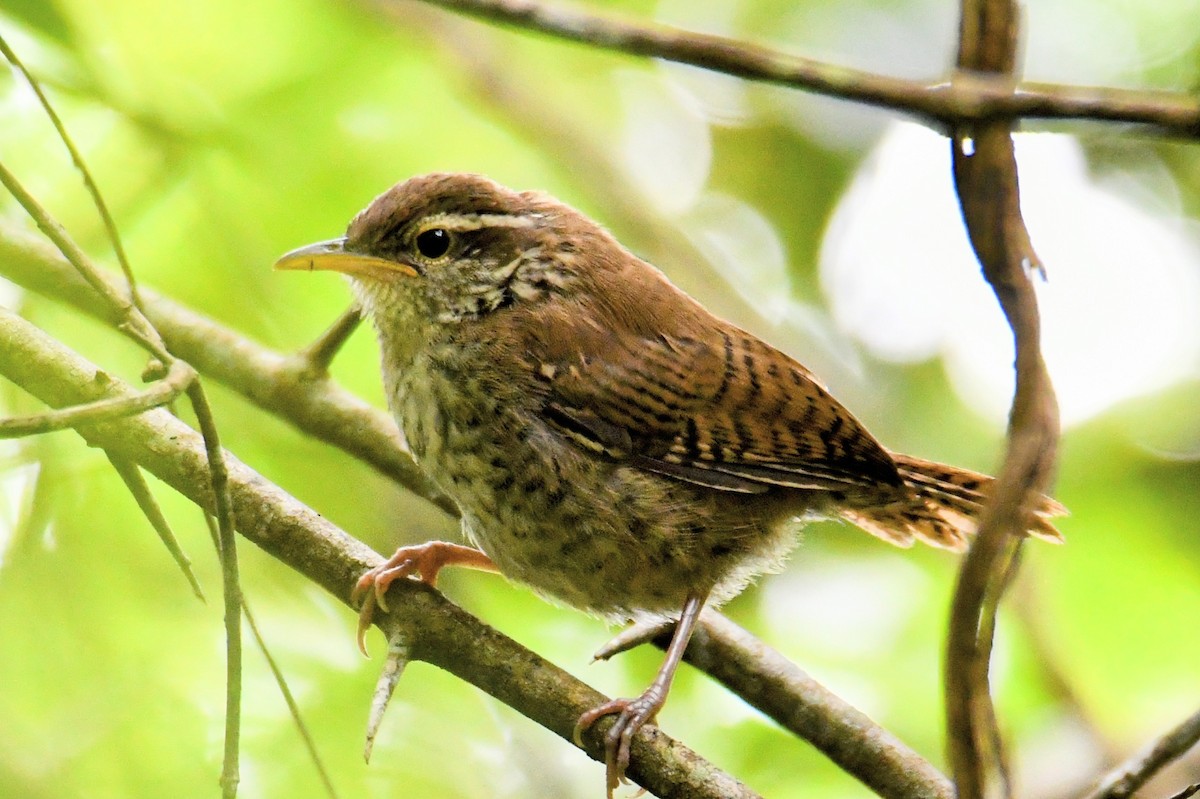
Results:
[433, 243]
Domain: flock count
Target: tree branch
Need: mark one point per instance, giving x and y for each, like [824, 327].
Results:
[965, 97]
[440, 633]
[985, 175]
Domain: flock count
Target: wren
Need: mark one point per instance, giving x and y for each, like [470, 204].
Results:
[608, 441]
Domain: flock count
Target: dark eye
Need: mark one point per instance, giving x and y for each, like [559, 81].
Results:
[433, 243]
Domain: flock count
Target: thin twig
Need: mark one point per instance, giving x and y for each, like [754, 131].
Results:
[965, 97]
[88, 181]
[178, 378]
[129, 319]
[136, 483]
[1121, 782]
[985, 174]
[280, 680]
[293, 708]
[223, 506]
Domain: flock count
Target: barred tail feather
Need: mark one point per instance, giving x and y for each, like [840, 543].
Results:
[941, 507]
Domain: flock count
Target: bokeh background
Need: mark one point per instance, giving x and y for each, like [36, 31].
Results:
[223, 133]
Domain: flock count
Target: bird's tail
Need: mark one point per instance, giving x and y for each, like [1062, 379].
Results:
[941, 507]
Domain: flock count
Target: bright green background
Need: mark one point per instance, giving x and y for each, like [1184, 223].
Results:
[224, 133]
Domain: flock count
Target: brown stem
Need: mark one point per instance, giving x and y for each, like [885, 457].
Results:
[985, 175]
[321, 352]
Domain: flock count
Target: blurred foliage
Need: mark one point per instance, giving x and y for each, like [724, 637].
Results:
[224, 133]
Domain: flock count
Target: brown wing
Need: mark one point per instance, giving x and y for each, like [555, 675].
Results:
[725, 411]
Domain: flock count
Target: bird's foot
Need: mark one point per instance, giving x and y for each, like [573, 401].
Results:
[632, 715]
[424, 560]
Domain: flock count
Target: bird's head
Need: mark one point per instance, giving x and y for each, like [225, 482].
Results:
[441, 249]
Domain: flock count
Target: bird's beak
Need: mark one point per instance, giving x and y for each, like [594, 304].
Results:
[334, 256]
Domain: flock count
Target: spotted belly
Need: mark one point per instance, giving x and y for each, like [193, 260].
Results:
[591, 533]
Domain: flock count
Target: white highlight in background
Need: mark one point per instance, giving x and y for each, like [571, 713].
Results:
[1120, 311]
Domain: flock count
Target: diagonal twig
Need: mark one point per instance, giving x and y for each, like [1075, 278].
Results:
[77, 158]
[321, 352]
[136, 483]
[131, 321]
[290, 700]
[1121, 782]
[162, 392]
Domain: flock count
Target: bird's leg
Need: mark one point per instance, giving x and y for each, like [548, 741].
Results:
[634, 713]
[633, 636]
[425, 560]
[320, 353]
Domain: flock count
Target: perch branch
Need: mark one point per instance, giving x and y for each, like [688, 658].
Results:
[441, 633]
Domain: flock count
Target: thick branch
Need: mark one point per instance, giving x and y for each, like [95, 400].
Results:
[440, 633]
[966, 98]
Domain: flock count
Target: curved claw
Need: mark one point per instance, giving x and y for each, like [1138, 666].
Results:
[365, 613]
[632, 715]
[372, 587]
[425, 560]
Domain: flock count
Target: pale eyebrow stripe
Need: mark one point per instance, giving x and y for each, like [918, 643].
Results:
[463, 222]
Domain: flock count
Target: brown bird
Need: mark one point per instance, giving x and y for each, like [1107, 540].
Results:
[608, 441]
